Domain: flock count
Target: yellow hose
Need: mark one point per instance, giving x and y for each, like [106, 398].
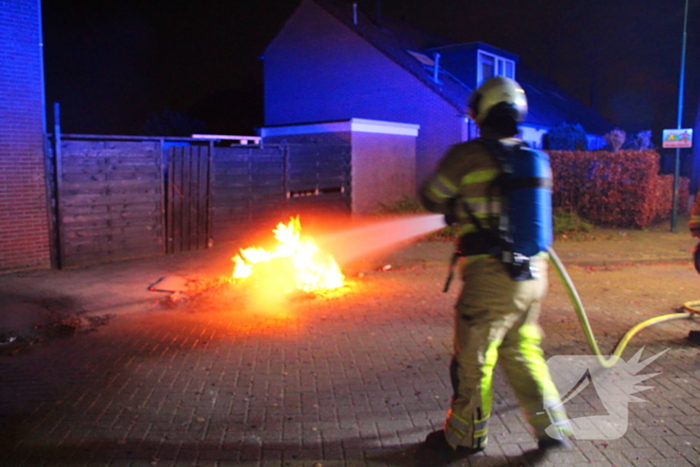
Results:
[693, 308]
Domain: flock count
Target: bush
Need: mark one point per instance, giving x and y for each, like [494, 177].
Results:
[614, 189]
[568, 222]
[405, 205]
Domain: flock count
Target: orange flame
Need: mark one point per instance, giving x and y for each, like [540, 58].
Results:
[296, 257]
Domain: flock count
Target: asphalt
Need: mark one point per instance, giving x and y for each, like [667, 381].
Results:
[160, 361]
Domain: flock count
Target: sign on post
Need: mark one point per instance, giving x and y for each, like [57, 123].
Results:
[679, 138]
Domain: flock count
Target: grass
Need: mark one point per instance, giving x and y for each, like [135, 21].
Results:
[569, 225]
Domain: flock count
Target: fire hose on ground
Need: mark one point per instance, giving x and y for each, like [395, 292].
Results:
[692, 309]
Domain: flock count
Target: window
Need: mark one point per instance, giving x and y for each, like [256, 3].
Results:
[490, 65]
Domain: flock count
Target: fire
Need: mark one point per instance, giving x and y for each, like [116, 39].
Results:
[295, 263]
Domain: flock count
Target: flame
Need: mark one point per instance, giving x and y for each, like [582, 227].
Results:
[295, 263]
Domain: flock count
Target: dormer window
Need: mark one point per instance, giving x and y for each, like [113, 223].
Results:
[490, 65]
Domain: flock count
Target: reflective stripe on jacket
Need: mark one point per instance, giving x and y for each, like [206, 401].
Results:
[465, 175]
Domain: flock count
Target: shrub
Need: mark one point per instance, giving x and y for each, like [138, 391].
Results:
[614, 189]
[404, 205]
[567, 222]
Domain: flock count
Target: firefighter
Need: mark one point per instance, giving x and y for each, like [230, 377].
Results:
[496, 316]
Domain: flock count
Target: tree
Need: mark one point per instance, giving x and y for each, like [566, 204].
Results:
[642, 140]
[566, 137]
[233, 111]
[172, 123]
[615, 139]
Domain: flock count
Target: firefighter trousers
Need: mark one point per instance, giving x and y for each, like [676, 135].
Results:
[497, 319]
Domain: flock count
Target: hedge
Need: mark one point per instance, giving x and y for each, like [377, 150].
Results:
[615, 189]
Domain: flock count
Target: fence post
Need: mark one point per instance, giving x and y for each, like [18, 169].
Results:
[210, 196]
[60, 251]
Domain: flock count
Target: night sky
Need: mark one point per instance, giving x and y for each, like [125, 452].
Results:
[112, 64]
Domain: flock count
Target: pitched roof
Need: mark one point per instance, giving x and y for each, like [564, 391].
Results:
[395, 40]
[413, 50]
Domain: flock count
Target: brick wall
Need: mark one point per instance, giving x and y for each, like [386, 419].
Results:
[24, 235]
[318, 70]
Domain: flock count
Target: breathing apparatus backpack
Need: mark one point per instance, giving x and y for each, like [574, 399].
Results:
[525, 221]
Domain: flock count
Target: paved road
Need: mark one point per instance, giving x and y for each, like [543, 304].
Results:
[352, 379]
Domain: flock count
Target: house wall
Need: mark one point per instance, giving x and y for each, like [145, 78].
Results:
[24, 221]
[383, 170]
[317, 69]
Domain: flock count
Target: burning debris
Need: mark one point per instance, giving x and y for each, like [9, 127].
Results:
[266, 281]
[263, 282]
[295, 264]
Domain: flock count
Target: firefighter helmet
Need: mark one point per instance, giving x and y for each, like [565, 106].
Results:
[494, 91]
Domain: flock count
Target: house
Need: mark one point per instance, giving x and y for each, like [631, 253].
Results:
[331, 63]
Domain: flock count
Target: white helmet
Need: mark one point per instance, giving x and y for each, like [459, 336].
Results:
[493, 91]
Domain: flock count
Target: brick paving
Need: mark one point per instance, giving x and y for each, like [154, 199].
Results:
[354, 379]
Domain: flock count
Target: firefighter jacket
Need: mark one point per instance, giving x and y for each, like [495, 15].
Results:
[464, 187]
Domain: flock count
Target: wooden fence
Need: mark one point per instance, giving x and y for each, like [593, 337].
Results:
[187, 200]
[259, 187]
[248, 189]
[127, 197]
[109, 201]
